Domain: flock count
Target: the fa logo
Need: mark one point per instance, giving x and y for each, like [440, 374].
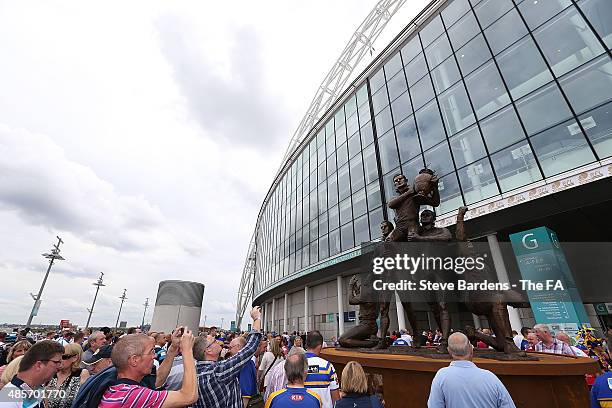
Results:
[297, 397]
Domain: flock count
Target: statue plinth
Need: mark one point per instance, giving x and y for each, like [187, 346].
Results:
[553, 381]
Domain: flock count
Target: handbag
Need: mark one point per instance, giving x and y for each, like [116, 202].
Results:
[256, 401]
[260, 387]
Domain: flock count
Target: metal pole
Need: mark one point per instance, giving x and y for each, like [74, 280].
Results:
[122, 297]
[52, 257]
[221, 322]
[97, 284]
[146, 305]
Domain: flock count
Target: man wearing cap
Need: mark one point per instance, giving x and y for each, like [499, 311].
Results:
[99, 360]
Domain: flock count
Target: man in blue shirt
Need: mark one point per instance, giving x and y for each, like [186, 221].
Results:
[601, 393]
[295, 395]
[462, 384]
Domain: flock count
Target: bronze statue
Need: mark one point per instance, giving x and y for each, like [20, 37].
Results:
[364, 334]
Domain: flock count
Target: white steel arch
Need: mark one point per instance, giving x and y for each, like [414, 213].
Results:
[330, 89]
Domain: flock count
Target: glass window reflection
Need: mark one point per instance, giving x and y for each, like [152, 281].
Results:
[430, 125]
[439, 159]
[431, 31]
[467, 147]
[453, 11]
[369, 161]
[407, 139]
[464, 30]
[477, 181]
[373, 193]
[416, 69]
[346, 233]
[578, 45]
[543, 108]
[505, 31]
[562, 148]
[377, 80]
[411, 50]
[590, 85]
[473, 54]
[383, 121]
[393, 65]
[388, 152]
[401, 107]
[362, 230]
[599, 13]
[397, 85]
[456, 110]
[523, 68]
[515, 166]
[438, 51]
[357, 177]
[445, 75]
[501, 129]
[422, 92]
[411, 168]
[490, 10]
[598, 126]
[537, 12]
[450, 195]
[375, 218]
[359, 203]
[379, 100]
[486, 90]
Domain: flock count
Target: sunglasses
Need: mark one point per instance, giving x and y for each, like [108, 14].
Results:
[67, 356]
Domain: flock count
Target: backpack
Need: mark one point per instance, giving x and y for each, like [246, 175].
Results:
[90, 393]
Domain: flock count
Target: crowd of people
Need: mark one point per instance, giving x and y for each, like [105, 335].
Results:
[214, 368]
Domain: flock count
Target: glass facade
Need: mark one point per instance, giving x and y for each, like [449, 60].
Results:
[491, 94]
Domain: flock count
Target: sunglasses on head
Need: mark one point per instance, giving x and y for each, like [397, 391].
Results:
[67, 356]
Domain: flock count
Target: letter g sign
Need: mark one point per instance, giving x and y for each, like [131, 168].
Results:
[529, 243]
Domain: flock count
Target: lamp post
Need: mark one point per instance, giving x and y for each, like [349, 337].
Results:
[146, 305]
[97, 284]
[51, 257]
[123, 298]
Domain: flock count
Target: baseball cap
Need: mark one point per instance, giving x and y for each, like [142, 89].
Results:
[102, 352]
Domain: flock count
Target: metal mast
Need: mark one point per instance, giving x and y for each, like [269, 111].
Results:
[51, 257]
[97, 284]
[123, 298]
[146, 305]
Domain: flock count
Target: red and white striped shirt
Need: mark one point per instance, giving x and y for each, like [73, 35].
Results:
[132, 396]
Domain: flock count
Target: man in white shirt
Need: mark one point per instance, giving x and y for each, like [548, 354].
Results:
[565, 338]
[321, 377]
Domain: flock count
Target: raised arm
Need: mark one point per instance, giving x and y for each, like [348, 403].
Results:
[166, 365]
[188, 394]
[228, 369]
[396, 202]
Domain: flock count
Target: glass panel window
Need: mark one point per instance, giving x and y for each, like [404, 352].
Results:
[359, 203]
[397, 85]
[537, 12]
[345, 211]
[334, 218]
[331, 163]
[473, 54]
[567, 41]
[342, 154]
[352, 124]
[411, 50]
[430, 125]
[314, 230]
[486, 90]
[407, 139]
[344, 184]
[501, 129]
[321, 172]
[543, 109]
[379, 100]
[305, 257]
[416, 69]
[362, 95]
[590, 85]
[383, 121]
[431, 31]
[346, 233]
[438, 51]
[373, 192]
[377, 80]
[445, 75]
[350, 106]
[393, 65]
[422, 92]
[322, 194]
[598, 126]
[332, 190]
[523, 68]
[401, 107]
[388, 152]
[339, 118]
[323, 224]
[562, 148]
[323, 247]
[367, 135]
[364, 114]
[340, 135]
[456, 110]
[369, 161]
[439, 159]
[453, 11]
[357, 178]
[467, 147]
[334, 242]
[490, 10]
[354, 145]
[362, 230]
[450, 195]
[515, 166]
[411, 169]
[599, 13]
[376, 217]
[477, 181]
[505, 31]
[463, 31]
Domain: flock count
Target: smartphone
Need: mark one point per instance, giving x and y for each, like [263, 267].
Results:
[182, 331]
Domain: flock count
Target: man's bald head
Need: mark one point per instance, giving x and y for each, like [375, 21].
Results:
[459, 346]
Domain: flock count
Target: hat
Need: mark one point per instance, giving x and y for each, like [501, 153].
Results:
[102, 352]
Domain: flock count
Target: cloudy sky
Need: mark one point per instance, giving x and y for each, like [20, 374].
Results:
[146, 135]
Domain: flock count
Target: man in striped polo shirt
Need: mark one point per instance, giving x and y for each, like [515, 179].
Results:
[321, 377]
[133, 357]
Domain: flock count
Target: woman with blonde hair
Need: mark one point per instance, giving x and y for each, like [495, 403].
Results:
[18, 349]
[354, 388]
[65, 385]
[10, 370]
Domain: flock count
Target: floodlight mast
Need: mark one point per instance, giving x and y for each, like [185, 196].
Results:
[97, 284]
[55, 254]
[330, 89]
